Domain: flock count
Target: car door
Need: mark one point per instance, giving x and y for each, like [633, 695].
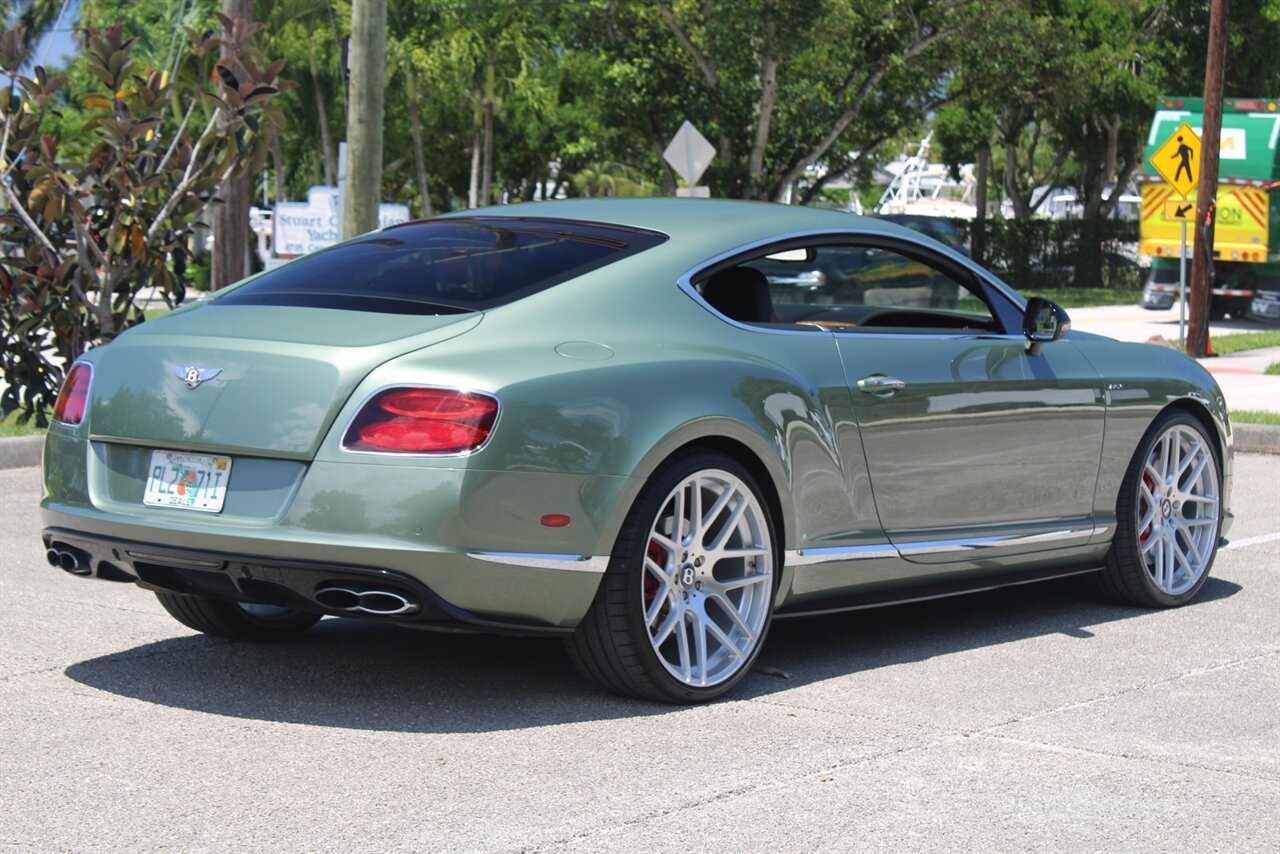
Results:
[975, 447]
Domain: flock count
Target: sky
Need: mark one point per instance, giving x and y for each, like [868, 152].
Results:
[58, 43]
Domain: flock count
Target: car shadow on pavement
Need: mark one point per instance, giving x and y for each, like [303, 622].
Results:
[371, 676]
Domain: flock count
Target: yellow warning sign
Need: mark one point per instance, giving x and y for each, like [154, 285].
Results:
[1178, 159]
[1184, 211]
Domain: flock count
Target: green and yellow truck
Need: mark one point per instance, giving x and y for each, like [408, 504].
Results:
[1246, 241]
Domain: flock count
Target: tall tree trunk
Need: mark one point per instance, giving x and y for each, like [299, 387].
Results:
[277, 166]
[486, 180]
[764, 107]
[231, 219]
[473, 191]
[978, 241]
[1202, 272]
[415, 129]
[328, 151]
[1012, 189]
[363, 184]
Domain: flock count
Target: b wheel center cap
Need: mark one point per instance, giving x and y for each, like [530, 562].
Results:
[687, 575]
[1166, 508]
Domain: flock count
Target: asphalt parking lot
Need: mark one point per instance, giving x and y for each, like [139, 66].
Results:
[1034, 718]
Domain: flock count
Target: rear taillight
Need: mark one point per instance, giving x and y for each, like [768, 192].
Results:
[74, 395]
[422, 421]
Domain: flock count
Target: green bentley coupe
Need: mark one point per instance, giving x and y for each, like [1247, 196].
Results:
[647, 426]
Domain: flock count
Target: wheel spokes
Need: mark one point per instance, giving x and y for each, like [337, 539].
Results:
[714, 537]
[1177, 509]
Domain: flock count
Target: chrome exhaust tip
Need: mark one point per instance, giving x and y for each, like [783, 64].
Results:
[52, 556]
[71, 562]
[367, 600]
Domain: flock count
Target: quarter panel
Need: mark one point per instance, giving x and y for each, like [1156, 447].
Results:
[1141, 381]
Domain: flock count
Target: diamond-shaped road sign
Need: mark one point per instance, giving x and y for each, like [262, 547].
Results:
[1178, 159]
[689, 153]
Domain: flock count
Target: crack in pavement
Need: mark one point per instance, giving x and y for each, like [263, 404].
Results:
[728, 794]
[1055, 747]
[1110, 695]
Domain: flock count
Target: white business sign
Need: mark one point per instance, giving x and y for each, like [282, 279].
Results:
[302, 227]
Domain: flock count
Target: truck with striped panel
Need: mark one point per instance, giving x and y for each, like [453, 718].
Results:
[1246, 240]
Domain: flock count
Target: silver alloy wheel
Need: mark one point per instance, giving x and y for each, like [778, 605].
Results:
[708, 578]
[1177, 512]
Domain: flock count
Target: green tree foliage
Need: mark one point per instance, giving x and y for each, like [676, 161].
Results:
[85, 228]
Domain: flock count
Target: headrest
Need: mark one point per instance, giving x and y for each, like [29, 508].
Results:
[740, 293]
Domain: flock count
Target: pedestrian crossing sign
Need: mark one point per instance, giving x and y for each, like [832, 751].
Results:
[1178, 160]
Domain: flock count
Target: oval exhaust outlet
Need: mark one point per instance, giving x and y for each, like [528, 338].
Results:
[338, 598]
[52, 557]
[71, 562]
[384, 603]
[366, 600]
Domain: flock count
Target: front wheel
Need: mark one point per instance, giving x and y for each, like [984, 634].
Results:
[1168, 516]
[236, 620]
[687, 599]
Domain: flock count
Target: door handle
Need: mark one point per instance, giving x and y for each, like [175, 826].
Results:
[880, 385]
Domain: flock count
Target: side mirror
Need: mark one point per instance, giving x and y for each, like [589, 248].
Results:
[1043, 322]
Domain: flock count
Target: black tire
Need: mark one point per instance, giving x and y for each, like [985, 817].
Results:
[1126, 578]
[611, 645]
[230, 620]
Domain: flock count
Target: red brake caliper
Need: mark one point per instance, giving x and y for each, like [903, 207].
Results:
[1143, 507]
[658, 555]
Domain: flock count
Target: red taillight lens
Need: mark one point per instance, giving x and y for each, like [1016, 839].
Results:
[422, 421]
[74, 395]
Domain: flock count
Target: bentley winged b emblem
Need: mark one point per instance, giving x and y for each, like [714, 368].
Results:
[193, 375]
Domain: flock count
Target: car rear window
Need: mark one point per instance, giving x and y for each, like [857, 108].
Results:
[445, 266]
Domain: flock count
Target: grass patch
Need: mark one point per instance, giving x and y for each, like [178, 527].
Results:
[1246, 341]
[9, 426]
[1255, 416]
[1273, 369]
[1084, 297]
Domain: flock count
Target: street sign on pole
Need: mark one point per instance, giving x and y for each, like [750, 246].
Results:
[1184, 211]
[689, 154]
[1178, 160]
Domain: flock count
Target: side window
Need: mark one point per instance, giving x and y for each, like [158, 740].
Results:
[848, 288]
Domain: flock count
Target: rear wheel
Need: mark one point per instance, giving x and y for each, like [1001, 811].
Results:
[687, 600]
[1168, 516]
[236, 620]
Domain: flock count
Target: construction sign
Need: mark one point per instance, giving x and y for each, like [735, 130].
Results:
[1178, 160]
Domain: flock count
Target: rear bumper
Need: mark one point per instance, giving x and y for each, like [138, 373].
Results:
[297, 584]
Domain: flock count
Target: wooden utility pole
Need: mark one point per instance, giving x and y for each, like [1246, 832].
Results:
[362, 190]
[1210, 135]
[231, 218]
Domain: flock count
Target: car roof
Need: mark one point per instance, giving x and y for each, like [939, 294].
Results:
[722, 222]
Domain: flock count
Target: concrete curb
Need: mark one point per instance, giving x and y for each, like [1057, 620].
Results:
[1256, 438]
[19, 451]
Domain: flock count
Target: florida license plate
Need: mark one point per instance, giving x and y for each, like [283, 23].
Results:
[187, 481]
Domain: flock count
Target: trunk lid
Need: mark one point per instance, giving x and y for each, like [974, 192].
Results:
[271, 379]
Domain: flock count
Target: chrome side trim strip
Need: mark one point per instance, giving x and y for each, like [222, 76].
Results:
[934, 547]
[829, 554]
[573, 563]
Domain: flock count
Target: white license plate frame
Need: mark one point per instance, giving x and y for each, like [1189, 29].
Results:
[180, 480]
